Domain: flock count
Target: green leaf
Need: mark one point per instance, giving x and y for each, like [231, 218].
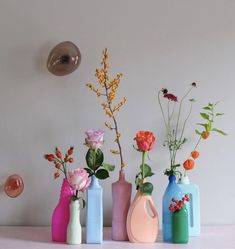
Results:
[204, 125]
[94, 158]
[89, 171]
[108, 167]
[198, 132]
[102, 174]
[146, 188]
[219, 114]
[99, 157]
[147, 170]
[208, 126]
[137, 181]
[210, 104]
[90, 159]
[204, 115]
[206, 108]
[219, 131]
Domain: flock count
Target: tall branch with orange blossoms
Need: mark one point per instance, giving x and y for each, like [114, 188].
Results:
[109, 91]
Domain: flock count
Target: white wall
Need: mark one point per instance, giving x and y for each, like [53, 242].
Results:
[155, 44]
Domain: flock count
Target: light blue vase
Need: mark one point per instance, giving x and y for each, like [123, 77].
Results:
[172, 191]
[193, 206]
[94, 216]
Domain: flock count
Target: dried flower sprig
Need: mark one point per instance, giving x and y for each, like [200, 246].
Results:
[109, 92]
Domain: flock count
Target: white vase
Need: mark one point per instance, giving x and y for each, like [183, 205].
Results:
[74, 229]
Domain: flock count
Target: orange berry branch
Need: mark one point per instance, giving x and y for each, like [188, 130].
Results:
[110, 87]
[208, 116]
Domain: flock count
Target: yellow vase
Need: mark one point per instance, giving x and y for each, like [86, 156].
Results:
[142, 222]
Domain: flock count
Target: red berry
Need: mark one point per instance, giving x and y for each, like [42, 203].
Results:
[59, 154]
[58, 165]
[174, 200]
[70, 151]
[71, 160]
[66, 158]
[50, 157]
[56, 175]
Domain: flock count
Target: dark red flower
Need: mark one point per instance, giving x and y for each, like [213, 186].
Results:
[171, 97]
[164, 90]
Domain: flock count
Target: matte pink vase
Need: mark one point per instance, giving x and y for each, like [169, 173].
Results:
[60, 217]
[142, 224]
[121, 193]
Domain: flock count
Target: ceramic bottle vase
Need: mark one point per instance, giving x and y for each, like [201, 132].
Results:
[94, 218]
[172, 191]
[180, 226]
[74, 229]
[193, 206]
[142, 224]
[60, 216]
[121, 197]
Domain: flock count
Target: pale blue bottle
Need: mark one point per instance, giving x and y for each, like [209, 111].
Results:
[172, 191]
[193, 206]
[94, 216]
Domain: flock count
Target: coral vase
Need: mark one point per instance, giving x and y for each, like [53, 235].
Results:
[74, 229]
[60, 216]
[180, 226]
[193, 207]
[94, 218]
[172, 191]
[121, 196]
[142, 226]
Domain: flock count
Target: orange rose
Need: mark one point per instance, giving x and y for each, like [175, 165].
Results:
[145, 140]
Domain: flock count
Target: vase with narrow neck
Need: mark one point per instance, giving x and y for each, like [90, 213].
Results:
[180, 226]
[121, 198]
[193, 206]
[142, 220]
[172, 191]
[74, 229]
[94, 218]
[60, 216]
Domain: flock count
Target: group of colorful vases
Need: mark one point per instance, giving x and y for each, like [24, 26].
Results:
[137, 222]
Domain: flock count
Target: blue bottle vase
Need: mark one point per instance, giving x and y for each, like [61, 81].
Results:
[172, 191]
[94, 218]
[193, 206]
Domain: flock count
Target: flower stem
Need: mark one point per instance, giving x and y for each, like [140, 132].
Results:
[143, 160]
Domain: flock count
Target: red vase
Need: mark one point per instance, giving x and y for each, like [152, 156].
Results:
[60, 217]
[121, 194]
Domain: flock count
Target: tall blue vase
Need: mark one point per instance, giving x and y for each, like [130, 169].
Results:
[193, 206]
[94, 217]
[172, 191]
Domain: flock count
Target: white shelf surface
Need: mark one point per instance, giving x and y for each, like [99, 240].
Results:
[20, 237]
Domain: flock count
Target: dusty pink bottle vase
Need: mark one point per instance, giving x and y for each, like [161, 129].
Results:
[60, 216]
[121, 193]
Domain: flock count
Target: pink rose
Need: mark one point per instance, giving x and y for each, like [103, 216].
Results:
[94, 139]
[78, 179]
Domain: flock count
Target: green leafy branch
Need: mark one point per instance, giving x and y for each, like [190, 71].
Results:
[96, 165]
[209, 115]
